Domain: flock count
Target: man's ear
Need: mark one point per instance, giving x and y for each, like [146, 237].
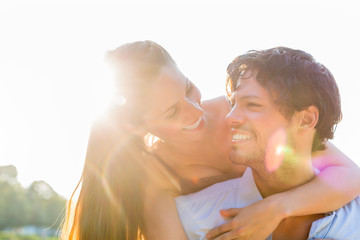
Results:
[309, 117]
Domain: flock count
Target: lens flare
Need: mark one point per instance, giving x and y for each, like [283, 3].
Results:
[279, 150]
[119, 100]
[275, 150]
[103, 91]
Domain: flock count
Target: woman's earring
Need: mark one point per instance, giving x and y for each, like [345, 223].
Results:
[150, 141]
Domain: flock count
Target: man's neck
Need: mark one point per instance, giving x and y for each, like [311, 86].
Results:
[291, 173]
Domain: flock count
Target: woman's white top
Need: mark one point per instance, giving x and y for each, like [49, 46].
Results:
[199, 212]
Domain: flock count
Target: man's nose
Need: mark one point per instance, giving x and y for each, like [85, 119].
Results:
[235, 117]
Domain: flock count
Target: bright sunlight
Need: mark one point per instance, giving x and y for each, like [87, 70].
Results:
[54, 82]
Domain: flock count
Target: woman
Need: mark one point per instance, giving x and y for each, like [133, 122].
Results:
[129, 182]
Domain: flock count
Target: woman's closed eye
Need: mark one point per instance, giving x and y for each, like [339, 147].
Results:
[172, 112]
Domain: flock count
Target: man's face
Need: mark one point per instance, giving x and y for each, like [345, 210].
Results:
[257, 125]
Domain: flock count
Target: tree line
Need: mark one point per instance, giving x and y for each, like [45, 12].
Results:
[38, 205]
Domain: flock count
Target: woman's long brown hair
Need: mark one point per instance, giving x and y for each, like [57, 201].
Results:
[110, 202]
[111, 198]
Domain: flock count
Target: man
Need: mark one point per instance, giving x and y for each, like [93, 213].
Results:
[285, 105]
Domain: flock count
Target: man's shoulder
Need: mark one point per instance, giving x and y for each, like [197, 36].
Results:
[343, 223]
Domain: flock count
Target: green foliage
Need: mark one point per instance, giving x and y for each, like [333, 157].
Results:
[39, 205]
[13, 236]
[8, 173]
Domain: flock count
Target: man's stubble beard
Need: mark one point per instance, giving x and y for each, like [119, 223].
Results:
[255, 160]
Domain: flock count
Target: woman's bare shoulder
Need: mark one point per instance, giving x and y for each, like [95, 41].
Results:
[160, 208]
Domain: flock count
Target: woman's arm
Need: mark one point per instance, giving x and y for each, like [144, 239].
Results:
[337, 183]
[162, 221]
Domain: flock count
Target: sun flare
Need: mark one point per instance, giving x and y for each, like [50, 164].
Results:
[103, 93]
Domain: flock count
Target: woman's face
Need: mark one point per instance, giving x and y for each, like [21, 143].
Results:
[173, 109]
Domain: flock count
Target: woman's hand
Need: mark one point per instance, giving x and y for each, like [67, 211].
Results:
[255, 222]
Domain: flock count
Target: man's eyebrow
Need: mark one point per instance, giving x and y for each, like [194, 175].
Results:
[250, 96]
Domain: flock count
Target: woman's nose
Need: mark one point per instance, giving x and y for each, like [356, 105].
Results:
[193, 111]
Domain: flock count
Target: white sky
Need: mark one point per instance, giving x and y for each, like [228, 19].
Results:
[51, 54]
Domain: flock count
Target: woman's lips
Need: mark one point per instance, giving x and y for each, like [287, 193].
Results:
[196, 126]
